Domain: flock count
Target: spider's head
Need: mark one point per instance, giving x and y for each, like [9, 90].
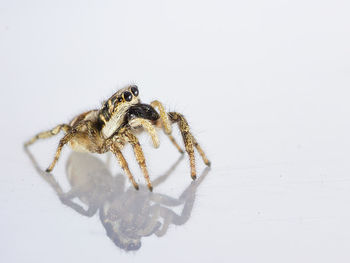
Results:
[120, 102]
[114, 109]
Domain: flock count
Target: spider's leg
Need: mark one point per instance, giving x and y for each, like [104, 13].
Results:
[166, 123]
[189, 141]
[62, 142]
[172, 139]
[48, 134]
[148, 127]
[163, 116]
[165, 176]
[201, 152]
[132, 139]
[187, 138]
[123, 163]
[73, 131]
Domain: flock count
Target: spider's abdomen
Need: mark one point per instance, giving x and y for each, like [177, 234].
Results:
[82, 142]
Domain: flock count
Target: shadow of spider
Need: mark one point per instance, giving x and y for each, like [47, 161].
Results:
[127, 215]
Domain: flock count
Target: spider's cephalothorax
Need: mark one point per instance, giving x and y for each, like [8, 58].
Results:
[112, 114]
[117, 123]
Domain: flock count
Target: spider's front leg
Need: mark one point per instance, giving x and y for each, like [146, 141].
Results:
[127, 136]
[132, 139]
[166, 123]
[123, 163]
[190, 142]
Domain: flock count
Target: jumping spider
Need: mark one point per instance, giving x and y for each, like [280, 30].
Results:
[116, 123]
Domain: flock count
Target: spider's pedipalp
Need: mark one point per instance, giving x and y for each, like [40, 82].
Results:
[166, 123]
[148, 127]
[163, 116]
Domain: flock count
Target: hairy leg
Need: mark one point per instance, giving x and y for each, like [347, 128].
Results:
[147, 125]
[73, 131]
[189, 141]
[172, 139]
[201, 152]
[115, 149]
[48, 134]
[166, 123]
[187, 138]
[62, 142]
[132, 139]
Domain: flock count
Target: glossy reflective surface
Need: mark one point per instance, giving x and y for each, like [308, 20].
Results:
[126, 214]
[265, 88]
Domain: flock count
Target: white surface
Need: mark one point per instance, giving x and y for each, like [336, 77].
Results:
[264, 84]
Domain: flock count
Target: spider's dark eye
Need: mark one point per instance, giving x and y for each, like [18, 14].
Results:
[135, 90]
[127, 96]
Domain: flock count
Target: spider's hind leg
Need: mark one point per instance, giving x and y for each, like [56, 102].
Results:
[49, 133]
[62, 142]
[73, 131]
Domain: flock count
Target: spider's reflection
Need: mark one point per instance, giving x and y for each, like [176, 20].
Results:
[126, 214]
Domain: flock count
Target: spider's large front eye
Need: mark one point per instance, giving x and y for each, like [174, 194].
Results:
[127, 96]
[135, 90]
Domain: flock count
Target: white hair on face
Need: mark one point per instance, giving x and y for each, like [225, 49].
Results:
[115, 122]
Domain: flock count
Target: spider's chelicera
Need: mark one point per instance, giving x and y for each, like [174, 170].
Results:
[118, 121]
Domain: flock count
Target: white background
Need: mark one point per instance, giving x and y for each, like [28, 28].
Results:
[264, 85]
